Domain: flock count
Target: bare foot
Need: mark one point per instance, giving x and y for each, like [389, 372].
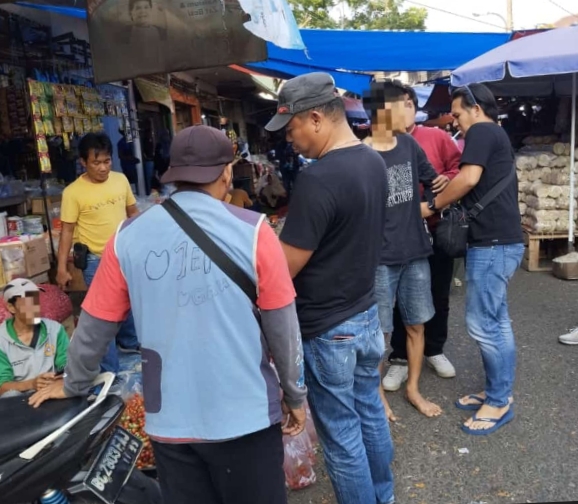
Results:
[486, 412]
[424, 406]
[388, 411]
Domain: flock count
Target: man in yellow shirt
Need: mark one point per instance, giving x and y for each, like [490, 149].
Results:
[92, 209]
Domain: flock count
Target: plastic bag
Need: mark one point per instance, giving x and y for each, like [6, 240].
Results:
[133, 417]
[310, 427]
[299, 461]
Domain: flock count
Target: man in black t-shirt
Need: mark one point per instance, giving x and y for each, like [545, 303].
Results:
[332, 242]
[494, 253]
[403, 274]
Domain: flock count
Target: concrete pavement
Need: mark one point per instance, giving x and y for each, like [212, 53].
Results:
[535, 458]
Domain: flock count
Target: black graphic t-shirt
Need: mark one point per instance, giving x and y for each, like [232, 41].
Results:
[337, 211]
[405, 237]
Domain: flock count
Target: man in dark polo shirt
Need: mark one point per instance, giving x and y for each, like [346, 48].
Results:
[332, 241]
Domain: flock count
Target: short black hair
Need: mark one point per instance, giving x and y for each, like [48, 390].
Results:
[409, 91]
[98, 142]
[335, 109]
[132, 3]
[380, 93]
[478, 94]
[13, 300]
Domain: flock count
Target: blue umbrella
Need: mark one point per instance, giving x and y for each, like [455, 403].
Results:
[530, 63]
[537, 65]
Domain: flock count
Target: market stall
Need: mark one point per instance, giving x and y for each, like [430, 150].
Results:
[539, 65]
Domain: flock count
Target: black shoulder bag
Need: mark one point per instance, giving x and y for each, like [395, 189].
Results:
[453, 228]
[209, 247]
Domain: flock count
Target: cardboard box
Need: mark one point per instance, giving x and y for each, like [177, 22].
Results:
[565, 271]
[36, 256]
[38, 204]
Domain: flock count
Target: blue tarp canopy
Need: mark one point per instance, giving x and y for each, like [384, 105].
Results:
[371, 51]
[343, 52]
[388, 51]
[536, 65]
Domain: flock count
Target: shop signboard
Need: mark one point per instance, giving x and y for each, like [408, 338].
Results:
[152, 92]
[132, 38]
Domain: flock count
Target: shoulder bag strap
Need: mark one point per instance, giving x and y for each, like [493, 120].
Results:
[492, 194]
[213, 251]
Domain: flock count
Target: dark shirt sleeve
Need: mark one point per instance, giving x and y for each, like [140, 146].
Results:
[426, 172]
[479, 146]
[311, 210]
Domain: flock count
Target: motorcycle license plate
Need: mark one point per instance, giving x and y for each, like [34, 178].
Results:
[113, 465]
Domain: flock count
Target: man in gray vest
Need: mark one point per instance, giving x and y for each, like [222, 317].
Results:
[212, 398]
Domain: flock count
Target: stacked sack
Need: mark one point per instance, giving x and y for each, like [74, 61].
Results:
[544, 186]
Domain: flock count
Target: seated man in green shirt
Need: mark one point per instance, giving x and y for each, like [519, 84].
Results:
[32, 349]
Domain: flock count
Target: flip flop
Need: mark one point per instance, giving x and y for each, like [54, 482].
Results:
[508, 416]
[470, 407]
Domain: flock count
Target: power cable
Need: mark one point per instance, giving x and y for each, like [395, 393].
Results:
[563, 8]
[454, 14]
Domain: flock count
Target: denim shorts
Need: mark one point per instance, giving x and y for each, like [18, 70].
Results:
[408, 284]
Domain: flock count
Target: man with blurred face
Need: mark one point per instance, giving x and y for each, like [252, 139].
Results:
[444, 156]
[403, 274]
[331, 239]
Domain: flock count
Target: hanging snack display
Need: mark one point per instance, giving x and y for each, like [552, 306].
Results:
[59, 109]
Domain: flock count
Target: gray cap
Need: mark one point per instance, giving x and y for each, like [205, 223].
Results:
[300, 94]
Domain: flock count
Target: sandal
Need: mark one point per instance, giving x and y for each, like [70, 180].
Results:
[471, 407]
[508, 416]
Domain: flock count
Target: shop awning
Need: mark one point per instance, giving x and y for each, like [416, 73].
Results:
[387, 51]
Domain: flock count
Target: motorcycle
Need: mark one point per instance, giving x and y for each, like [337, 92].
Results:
[71, 451]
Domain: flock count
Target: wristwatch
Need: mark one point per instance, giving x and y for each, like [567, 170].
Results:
[432, 205]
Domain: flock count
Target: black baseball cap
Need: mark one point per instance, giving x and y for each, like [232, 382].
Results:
[199, 155]
[300, 94]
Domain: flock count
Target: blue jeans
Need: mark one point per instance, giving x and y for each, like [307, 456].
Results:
[341, 372]
[488, 272]
[410, 286]
[127, 334]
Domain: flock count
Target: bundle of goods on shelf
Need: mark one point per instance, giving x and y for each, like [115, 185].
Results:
[543, 169]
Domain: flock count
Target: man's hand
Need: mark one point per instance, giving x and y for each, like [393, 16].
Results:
[440, 183]
[425, 210]
[55, 390]
[62, 278]
[43, 380]
[296, 421]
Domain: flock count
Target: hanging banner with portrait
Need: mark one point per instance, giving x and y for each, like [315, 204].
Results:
[132, 38]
